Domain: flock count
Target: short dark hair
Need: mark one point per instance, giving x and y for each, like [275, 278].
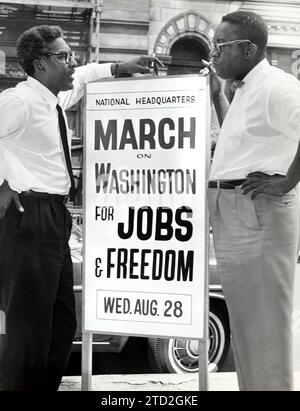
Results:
[33, 43]
[249, 26]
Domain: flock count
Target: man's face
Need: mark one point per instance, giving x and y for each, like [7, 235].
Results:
[230, 61]
[59, 66]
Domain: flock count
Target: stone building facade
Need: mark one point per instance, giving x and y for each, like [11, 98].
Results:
[178, 31]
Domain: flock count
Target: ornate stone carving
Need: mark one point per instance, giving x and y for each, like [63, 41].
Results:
[190, 23]
[284, 28]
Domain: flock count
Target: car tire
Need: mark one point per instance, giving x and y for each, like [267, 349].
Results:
[178, 355]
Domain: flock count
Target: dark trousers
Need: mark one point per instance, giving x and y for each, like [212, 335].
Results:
[36, 294]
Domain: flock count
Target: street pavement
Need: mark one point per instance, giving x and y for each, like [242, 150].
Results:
[219, 381]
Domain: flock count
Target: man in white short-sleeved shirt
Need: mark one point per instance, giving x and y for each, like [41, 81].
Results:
[253, 202]
[261, 129]
[36, 276]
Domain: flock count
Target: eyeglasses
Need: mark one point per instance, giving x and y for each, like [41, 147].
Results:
[63, 55]
[218, 48]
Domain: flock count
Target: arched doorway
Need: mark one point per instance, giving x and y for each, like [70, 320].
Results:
[186, 54]
[183, 42]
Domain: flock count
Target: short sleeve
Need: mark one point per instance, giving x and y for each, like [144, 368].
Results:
[284, 108]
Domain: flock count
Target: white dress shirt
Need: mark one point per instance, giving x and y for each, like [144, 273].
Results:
[31, 152]
[261, 129]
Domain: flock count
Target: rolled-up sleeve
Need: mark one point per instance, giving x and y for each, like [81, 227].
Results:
[82, 76]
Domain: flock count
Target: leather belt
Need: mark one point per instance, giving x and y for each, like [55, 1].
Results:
[37, 195]
[226, 184]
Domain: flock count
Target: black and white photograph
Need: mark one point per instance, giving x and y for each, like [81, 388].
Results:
[149, 198]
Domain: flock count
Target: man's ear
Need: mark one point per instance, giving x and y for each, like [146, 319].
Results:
[39, 65]
[251, 50]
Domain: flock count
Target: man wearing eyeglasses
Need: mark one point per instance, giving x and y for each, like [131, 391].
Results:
[253, 202]
[36, 281]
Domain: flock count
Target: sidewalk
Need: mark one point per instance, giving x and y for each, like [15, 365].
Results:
[223, 381]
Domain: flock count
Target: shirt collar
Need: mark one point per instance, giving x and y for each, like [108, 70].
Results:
[47, 95]
[254, 73]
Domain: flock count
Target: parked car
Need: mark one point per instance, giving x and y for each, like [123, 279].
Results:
[174, 355]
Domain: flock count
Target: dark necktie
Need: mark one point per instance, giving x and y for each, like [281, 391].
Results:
[64, 140]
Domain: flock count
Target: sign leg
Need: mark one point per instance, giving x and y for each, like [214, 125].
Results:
[203, 368]
[86, 361]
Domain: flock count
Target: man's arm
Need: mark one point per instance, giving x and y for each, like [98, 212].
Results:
[284, 116]
[259, 182]
[141, 64]
[13, 116]
[83, 75]
[218, 93]
[93, 72]
[219, 98]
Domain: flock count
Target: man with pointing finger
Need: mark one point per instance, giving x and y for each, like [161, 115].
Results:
[253, 203]
[36, 280]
